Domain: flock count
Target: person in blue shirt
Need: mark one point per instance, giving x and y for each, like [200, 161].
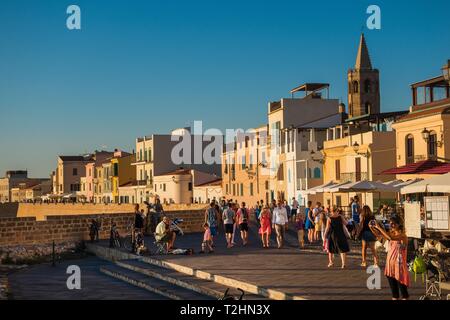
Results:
[356, 210]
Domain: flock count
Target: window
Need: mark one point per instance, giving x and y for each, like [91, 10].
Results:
[74, 171]
[355, 87]
[164, 187]
[226, 168]
[280, 174]
[140, 156]
[367, 108]
[226, 188]
[337, 168]
[432, 145]
[243, 162]
[358, 169]
[251, 188]
[234, 189]
[267, 185]
[190, 186]
[316, 173]
[409, 152]
[242, 189]
[367, 86]
[289, 175]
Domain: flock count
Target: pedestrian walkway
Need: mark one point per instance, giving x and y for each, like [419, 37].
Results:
[290, 273]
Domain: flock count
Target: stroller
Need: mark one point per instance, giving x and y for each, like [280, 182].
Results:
[437, 275]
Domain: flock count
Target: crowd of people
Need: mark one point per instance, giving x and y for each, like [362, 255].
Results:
[315, 224]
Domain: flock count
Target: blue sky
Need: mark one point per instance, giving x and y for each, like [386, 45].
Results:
[142, 67]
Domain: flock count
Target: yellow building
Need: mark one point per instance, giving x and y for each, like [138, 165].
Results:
[122, 172]
[423, 134]
[245, 172]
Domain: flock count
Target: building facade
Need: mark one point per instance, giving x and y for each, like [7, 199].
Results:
[11, 180]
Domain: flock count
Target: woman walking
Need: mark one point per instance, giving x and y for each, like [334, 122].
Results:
[396, 269]
[337, 240]
[265, 230]
[367, 236]
[309, 225]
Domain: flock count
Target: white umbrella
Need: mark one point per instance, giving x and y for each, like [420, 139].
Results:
[335, 186]
[363, 186]
[435, 184]
[319, 188]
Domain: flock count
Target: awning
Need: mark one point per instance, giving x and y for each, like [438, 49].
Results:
[422, 167]
[435, 184]
[364, 186]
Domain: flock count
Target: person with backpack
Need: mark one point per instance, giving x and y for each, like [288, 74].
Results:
[242, 221]
[212, 220]
[366, 235]
[396, 269]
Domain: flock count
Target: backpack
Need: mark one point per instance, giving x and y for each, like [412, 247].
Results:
[244, 215]
[419, 266]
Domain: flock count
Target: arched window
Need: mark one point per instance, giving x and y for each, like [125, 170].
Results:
[409, 149]
[367, 108]
[367, 86]
[432, 145]
[316, 173]
[355, 87]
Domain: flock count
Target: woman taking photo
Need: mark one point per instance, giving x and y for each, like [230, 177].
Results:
[337, 239]
[265, 230]
[367, 236]
[396, 269]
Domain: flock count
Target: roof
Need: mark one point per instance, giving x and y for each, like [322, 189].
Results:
[180, 171]
[442, 109]
[363, 57]
[432, 81]
[72, 158]
[422, 167]
[374, 116]
[129, 184]
[216, 182]
[310, 87]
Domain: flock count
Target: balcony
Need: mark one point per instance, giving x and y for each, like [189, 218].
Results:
[354, 176]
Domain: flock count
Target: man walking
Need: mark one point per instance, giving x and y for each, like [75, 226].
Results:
[280, 222]
[295, 206]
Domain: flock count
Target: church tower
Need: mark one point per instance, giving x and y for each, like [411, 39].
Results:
[363, 84]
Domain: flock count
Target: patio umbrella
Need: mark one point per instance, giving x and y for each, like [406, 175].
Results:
[435, 184]
[319, 188]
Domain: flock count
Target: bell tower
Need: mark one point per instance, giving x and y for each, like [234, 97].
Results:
[363, 84]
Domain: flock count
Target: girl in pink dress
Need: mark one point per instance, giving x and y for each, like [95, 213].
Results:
[396, 269]
[265, 230]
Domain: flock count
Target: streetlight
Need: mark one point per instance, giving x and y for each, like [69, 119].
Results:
[446, 71]
[425, 134]
[356, 147]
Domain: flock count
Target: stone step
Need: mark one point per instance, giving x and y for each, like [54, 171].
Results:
[201, 286]
[151, 284]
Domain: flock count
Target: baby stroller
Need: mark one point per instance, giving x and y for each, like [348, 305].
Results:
[436, 276]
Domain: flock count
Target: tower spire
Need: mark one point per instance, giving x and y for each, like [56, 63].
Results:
[363, 57]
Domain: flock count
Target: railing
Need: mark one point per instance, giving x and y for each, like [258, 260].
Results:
[354, 176]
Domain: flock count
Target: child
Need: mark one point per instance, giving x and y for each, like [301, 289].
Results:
[299, 224]
[317, 225]
[207, 241]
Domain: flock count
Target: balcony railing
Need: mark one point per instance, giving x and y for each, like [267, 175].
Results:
[354, 176]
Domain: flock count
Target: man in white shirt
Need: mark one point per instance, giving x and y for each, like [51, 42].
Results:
[294, 207]
[280, 222]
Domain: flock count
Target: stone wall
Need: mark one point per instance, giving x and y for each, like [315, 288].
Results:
[64, 228]
[44, 210]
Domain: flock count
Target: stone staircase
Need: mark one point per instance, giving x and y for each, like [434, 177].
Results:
[170, 281]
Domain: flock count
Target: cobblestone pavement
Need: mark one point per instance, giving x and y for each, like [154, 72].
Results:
[47, 282]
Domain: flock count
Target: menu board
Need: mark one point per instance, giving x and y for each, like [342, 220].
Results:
[437, 213]
[412, 220]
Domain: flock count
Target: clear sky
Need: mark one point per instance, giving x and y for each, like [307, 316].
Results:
[140, 67]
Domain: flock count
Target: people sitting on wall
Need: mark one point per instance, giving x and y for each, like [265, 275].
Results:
[164, 234]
